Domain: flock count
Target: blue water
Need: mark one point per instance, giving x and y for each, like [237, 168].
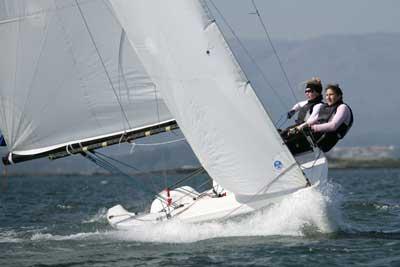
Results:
[60, 221]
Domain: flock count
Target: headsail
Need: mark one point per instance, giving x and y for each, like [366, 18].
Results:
[184, 52]
[68, 74]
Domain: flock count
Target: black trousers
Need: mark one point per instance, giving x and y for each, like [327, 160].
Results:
[298, 142]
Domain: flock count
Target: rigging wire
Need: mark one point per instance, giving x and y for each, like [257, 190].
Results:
[196, 172]
[100, 159]
[274, 50]
[118, 161]
[282, 120]
[257, 12]
[103, 163]
[163, 151]
[154, 187]
[247, 52]
[103, 64]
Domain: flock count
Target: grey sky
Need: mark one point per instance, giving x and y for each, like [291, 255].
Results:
[303, 19]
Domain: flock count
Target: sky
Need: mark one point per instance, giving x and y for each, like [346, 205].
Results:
[305, 19]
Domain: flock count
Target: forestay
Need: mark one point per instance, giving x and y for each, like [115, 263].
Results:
[204, 88]
[67, 74]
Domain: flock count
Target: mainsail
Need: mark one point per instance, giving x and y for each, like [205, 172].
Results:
[69, 76]
[185, 54]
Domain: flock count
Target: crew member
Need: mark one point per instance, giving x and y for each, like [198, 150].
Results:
[334, 119]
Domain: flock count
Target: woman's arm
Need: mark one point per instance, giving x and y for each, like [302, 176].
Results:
[298, 105]
[342, 113]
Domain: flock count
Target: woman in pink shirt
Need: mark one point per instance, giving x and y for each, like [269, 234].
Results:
[334, 119]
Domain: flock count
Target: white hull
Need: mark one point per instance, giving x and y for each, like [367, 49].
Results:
[193, 208]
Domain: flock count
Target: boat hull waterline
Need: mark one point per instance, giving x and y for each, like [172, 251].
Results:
[191, 207]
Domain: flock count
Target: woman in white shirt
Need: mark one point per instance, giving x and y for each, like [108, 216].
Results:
[307, 108]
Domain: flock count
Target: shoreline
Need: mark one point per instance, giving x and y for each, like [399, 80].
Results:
[334, 163]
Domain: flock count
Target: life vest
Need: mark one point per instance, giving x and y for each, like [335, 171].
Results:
[326, 141]
[307, 109]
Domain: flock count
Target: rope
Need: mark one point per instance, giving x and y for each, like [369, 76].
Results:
[249, 55]
[282, 120]
[118, 161]
[154, 187]
[104, 164]
[111, 168]
[196, 172]
[103, 64]
[161, 143]
[274, 50]
[188, 192]
[198, 196]
[99, 159]
[156, 144]
[315, 160]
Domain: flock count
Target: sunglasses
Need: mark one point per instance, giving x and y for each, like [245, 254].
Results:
[308, 91]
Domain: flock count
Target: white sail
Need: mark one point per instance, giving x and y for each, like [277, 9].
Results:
[188, 59]
[67, 73]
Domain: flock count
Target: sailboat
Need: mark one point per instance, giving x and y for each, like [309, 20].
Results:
[82, 75]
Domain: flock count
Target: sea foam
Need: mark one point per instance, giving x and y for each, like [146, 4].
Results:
[309, 211]
[312, 208]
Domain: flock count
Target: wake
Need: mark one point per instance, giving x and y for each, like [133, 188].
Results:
[311, 211]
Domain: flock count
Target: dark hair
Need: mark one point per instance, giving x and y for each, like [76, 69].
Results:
[335, 88]
[315, 85]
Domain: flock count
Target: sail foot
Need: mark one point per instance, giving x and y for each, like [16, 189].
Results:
[82, 147]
